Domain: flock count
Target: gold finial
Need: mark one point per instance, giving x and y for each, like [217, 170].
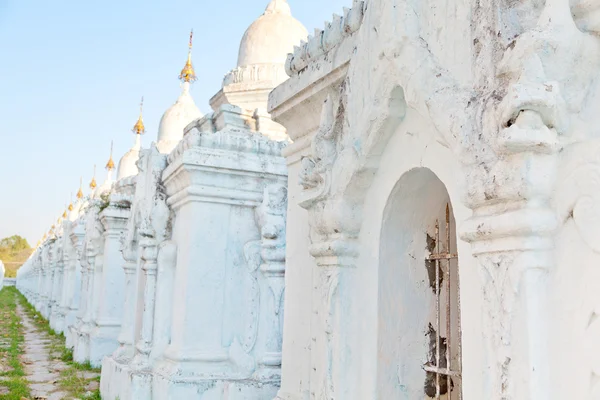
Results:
[45, 236]
[139, 128]
[64, 215]
[70, 208]
[110, 165]
[187, 73]
[80, 192]
[93, 182]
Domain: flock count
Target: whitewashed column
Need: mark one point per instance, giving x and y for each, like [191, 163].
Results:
[73, 316]
[126, 336]
[49, 279]
[166, 263]
[80, 353]
[110, 285]
[149, 268]
[271, 218]
[67, 278]
[56, 321]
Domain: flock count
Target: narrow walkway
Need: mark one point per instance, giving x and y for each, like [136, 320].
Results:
[45, 367]
[41, 369]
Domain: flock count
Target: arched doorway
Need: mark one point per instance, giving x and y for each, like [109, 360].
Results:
[419, 351]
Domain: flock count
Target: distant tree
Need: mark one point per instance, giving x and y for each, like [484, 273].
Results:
[14, 244]
[14, 251]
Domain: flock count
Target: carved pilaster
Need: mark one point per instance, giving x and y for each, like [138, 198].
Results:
[114, 220]
[126, 335]
[124, 196]
[512, 230]
[334, 229]
[148, 228]
[149, 268]
[271, 218]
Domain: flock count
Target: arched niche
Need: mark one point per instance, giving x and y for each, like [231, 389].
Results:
[407, 325]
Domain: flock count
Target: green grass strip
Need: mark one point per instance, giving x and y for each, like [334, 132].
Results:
[11, 342]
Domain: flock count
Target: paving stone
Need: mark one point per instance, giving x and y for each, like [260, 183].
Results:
[58, 366]
[43, 377]
[93, 385]
[40, 389]
[58, 396]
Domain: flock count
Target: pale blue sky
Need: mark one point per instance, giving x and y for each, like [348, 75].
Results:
[72, 74]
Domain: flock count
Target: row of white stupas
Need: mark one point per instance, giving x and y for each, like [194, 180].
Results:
[438, 236]
[171, 277]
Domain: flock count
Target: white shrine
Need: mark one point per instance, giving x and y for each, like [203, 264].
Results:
[441, 237]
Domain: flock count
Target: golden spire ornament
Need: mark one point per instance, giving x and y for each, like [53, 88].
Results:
[64, 214]
[93, 182]
[80, 192]
[70, 208]
[187, 73]
[139, 128]
[110, 165]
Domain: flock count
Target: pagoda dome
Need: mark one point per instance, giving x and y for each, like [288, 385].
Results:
[272, 36]
[128, 163]
[175, 119]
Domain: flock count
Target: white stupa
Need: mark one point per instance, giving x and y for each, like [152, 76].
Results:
[261, 58]
[180, 114]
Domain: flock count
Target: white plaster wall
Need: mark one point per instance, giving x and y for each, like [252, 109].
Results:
[575, 284]
[412, 146]
[572, 284]
[202, 286]
[298, 286]
[443, 24]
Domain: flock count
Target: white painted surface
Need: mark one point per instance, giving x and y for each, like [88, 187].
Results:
[394, 109]
[127, 164]
[499, 159]
[175, 119]
[271, 36]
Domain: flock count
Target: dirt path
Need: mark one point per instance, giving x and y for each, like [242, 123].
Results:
[39, 362]
[41, 369]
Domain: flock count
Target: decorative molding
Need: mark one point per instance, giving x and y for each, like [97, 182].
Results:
[269, 74]
[323, 41]
[315, 176]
